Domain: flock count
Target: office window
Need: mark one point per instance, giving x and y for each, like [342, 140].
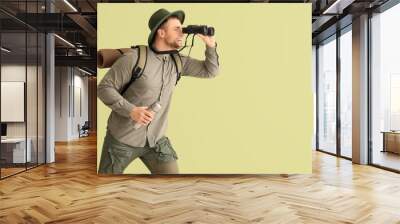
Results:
[385, 89]
[314, 74]
[346, 93]
[327, 95]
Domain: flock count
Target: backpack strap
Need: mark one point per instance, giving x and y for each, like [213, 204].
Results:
[178, 65]
[139, 66]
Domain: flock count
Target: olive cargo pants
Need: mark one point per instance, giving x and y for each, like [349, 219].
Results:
[116, 156]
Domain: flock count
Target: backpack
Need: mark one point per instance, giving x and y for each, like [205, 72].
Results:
[140, 65]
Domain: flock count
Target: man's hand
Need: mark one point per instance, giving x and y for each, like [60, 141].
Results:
[141, 115]
[208, 40]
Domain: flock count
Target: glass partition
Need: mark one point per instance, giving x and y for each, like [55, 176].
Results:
[22, 89]
[13, 95]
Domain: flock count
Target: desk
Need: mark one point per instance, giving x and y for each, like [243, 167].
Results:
[13, 150]
[391, 141]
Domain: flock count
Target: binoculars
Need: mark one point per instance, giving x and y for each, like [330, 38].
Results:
[199, 29]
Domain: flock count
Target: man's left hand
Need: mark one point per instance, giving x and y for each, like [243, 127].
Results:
[208, 40]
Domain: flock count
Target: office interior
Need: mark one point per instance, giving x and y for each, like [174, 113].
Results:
[357, 85]
[48, 76]
[48, 81]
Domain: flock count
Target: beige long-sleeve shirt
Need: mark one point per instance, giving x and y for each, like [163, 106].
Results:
[156, 84]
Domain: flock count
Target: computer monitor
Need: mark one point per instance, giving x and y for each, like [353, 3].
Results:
[3, 129]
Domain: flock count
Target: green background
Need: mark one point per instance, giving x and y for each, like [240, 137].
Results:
[256, 115]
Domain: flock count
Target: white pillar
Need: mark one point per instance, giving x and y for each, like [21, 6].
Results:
[360, 90]
[50, 91]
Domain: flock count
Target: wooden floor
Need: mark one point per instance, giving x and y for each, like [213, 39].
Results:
[8, 171]
[69, 191]
[387, 159]
[5, 172]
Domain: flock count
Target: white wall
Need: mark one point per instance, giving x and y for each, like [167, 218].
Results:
[79, 102]
[34, 125]
[15, 73]
[61, 103]
[70, 83]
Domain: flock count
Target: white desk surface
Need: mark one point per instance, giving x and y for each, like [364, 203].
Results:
[13, 140]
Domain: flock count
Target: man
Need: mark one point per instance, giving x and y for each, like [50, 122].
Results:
[123, 143]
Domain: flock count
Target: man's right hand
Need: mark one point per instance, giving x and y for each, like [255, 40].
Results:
[141, 115]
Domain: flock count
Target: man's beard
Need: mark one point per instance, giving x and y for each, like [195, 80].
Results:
[174, 45]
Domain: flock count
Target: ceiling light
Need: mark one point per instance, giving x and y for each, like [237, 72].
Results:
[64, 40]
[5, 49]
[84, 71]
[337, 7]
[70, 5]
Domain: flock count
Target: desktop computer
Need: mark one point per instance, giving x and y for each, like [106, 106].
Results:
[3, 130]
